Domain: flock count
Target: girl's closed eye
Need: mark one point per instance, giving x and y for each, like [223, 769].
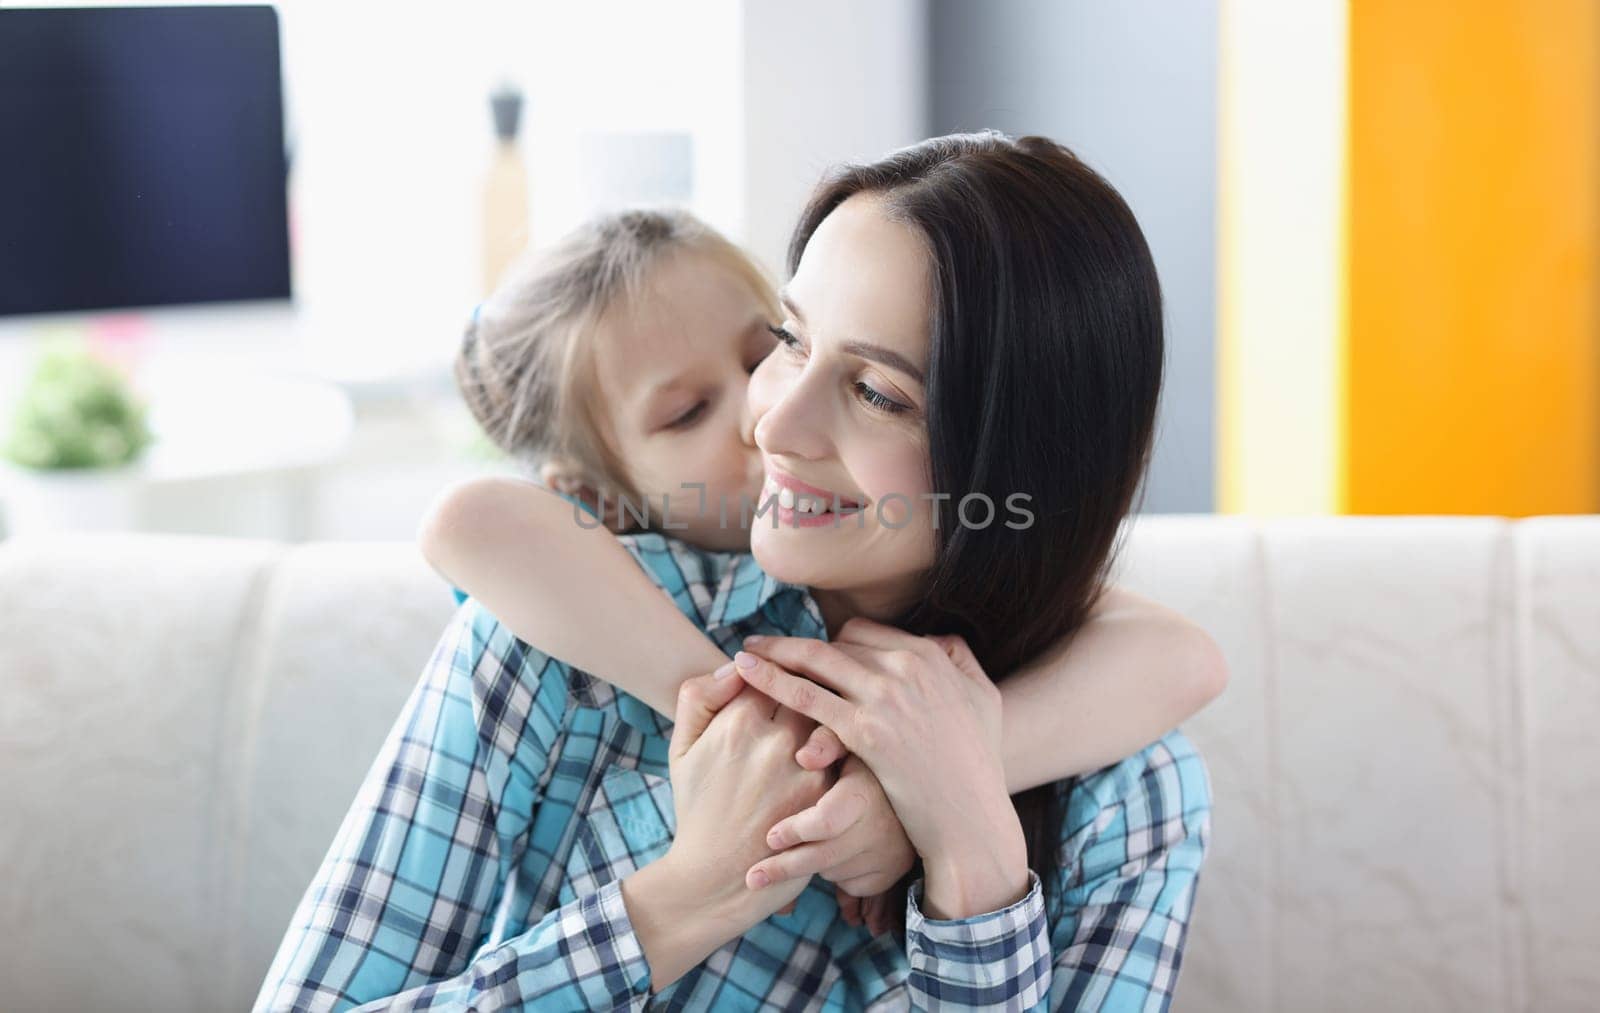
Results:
[688, 418]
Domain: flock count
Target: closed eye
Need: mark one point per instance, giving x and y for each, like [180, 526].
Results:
[689, 417]
[784, 335]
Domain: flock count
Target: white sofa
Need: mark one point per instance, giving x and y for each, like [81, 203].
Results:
[1406, 763]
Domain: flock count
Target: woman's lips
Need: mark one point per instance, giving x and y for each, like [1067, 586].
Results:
[803, 498]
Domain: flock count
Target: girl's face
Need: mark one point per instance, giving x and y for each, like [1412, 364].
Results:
[840, 411]
[671, 368]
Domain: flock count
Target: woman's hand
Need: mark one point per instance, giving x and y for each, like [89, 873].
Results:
[923, 715]
[733, 776]
[851, 837]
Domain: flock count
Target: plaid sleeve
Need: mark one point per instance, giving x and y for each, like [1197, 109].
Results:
[582, 955]
[407, 893]
[994, 961]
[1127, 899]
[1124, 902]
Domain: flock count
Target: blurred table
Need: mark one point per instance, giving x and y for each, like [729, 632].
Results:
[234, 454]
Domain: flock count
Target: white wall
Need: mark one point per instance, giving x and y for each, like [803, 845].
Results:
[390, 133]
[825, 82]
[389, 128]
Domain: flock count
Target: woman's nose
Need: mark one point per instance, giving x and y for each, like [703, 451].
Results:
[793, 421]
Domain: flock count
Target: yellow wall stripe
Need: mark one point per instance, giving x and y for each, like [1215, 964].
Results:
[1281, 109]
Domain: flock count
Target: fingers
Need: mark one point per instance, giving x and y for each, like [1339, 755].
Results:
[788, 909]
[822, 750]
[849, 906]
[862, 886]
[796, 724]
[809, 841]
[880, 638]
[873, 634]
[835, 812]
[956, 649]
[796, 862]
[876, 910]
[800, 695]
[822, 662]
[865, 907]
[891, 638]
[699, 700]
[865, 869]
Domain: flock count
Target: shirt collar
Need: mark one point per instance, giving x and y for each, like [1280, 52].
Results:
[747, 600]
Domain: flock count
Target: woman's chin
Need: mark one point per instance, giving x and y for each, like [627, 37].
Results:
[792, 556]
[835, 557]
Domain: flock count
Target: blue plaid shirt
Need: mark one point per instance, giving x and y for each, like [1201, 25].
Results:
[481, 864]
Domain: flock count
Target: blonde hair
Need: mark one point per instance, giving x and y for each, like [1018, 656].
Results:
[525, 365]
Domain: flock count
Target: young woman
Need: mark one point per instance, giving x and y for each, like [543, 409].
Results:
[997, 301]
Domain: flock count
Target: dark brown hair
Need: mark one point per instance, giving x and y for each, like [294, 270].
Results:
[1044, 373]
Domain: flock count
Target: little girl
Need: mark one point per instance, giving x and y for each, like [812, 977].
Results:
[615, 368]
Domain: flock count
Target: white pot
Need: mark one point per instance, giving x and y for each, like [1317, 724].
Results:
[89, 499]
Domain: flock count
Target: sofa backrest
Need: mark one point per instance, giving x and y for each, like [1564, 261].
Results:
[1404, 763]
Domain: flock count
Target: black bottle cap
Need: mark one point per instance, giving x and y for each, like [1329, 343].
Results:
[506, 103]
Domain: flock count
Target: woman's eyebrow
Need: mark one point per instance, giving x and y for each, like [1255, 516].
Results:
[866, 350]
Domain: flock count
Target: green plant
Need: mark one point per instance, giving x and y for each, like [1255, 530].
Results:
[76, 412]
[479, 447]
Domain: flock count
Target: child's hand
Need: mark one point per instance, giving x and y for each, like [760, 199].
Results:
[822, 750]
[851, 837]
[874, 910]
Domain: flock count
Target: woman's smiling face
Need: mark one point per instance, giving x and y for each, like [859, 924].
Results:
[840, 408]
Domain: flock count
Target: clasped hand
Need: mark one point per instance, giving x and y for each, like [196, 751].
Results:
[923, 775]
[758, 814]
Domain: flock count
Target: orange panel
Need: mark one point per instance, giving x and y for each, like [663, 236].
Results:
[1473, 345]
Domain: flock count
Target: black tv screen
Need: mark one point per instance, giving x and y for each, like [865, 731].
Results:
[142, 159]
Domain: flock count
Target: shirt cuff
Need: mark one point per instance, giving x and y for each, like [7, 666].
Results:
[1000, 959]
[603, 943]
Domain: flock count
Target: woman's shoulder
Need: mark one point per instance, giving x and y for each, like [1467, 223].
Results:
[1171, 765]
[507, 679]
[1134, 838]
[1173, 757]
[512, 683]
[1164, 788]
